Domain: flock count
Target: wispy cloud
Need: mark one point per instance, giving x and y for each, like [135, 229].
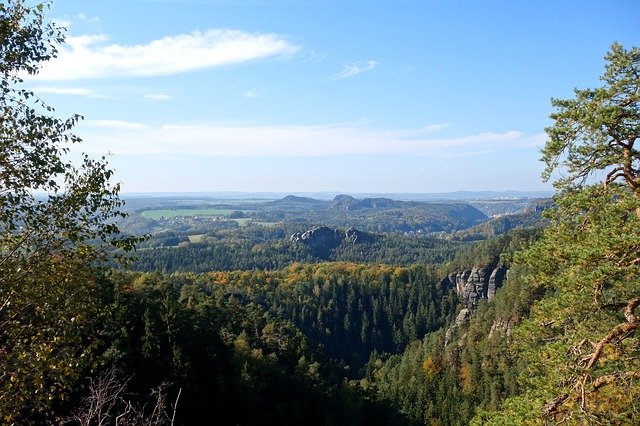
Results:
[354, 68]
[66, 21]
[435, 127]
[91, 56]
[158, 97]
[70, 91]
[251, 93]
[83, 17]
[285, 141]
[116, 124]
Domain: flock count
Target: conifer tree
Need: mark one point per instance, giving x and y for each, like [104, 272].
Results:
[580, 347]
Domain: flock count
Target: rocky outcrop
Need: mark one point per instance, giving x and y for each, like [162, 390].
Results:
[472, 286]
[463, 317]
[319, 238]
[501, 326]
[324, 239]
[477, 283]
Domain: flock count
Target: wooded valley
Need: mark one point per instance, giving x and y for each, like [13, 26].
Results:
[295, 310]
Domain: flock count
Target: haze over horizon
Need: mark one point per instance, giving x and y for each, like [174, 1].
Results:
[344, 97]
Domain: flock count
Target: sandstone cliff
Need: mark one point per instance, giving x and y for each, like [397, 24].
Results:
[324, 239]
[477, 283]
[473, 285]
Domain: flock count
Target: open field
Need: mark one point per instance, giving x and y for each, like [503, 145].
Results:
[195, 238]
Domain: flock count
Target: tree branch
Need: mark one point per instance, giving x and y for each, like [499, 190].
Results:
[610, 378]
[619, 330]
[552, 406]
[613, 175]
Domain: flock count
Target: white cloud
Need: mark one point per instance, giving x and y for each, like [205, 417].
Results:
[435, 127]
[116, 124]
[83, 17]
[355, 68]
[252, 93]
[90, 56]
[67, 22]
[283, 141]
[158, 97]
[71, 91]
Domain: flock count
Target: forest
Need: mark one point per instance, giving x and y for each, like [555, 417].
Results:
[296, 310]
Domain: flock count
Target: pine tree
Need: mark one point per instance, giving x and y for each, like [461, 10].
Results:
[580, 346]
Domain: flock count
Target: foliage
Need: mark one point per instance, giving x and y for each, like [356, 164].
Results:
[56, 219]
[531, 218]
[380, 215]
[269, 334]
[230, 359]
[596, 131]
[457, 370]
[491, 251]
[263, 247]
[581, 356]
[352, 309]
[580, 346]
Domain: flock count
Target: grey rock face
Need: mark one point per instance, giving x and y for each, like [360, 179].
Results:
[495, 280]
[501, 326]
[477, 283]
[323, 239]
[463, 316]
[473, 285]
[319, 238]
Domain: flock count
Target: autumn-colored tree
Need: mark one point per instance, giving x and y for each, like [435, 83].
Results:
[56, 221]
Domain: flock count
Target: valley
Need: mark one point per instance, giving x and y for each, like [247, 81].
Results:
[186, 265]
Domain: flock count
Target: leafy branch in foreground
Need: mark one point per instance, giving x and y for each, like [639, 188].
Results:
[56, 221]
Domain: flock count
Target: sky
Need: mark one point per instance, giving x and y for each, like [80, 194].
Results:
[341, 96]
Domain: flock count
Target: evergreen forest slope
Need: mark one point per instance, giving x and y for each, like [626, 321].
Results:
[303, 311]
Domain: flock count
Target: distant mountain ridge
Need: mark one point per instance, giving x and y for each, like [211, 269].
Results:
[531, 217]
[330, 195]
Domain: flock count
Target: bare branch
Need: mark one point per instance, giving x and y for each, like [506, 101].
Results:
[552, 406]
[610, 378]
[619, 330]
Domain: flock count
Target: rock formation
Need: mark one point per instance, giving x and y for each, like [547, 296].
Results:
[472, 286]
[324, 239]
[475, 284]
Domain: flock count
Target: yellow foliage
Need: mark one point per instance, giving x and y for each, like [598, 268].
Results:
[429, 367]
[465, 378]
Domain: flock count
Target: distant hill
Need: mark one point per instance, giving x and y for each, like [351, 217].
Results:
[380, 215]
[295, 199]
[347, 202]
[328, 195]
[295, 203]
[372, 214]
[530, 218]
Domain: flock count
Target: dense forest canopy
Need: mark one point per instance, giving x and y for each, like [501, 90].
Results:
[302, 311]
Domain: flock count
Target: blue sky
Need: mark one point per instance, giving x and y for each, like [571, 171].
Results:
[345, 96]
